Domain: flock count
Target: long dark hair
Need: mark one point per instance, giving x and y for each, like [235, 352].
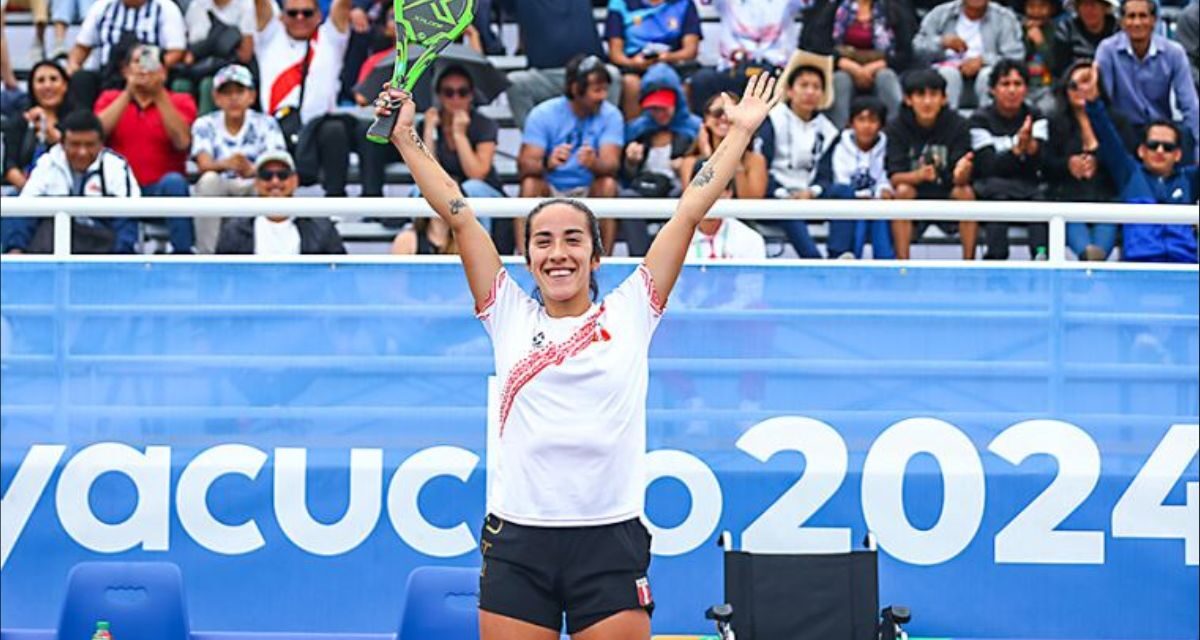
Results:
[64, 107]
[593, 228]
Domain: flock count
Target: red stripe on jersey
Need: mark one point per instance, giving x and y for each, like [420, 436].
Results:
[481, 312]
[289, 79]
[655, 302]
[537, 361]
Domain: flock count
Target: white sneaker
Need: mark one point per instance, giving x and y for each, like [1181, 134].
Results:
[37, 52]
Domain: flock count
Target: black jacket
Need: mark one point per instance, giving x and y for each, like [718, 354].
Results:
[943, 145]
[1001, 174]
[1066, 140]
[317, 236]
[1072, 42]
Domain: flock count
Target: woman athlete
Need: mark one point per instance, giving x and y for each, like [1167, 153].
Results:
[564, 535]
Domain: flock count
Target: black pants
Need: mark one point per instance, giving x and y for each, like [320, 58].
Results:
[997, 239]
[373, 159]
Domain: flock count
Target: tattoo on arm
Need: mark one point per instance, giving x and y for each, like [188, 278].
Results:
[457, 205]
[412, 134]
[704, 177]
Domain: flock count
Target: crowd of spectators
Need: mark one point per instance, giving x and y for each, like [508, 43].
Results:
[1015, 100]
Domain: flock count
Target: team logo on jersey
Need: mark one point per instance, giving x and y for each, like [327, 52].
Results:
[643, 592]
[539, 339]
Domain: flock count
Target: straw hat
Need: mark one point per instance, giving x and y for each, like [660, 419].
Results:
[802, 58]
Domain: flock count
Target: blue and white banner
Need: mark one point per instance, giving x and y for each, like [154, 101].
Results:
[1022, 441]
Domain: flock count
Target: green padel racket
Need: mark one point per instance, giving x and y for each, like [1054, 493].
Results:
[431, 24]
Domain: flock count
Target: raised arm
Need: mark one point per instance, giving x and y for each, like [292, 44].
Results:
[480, 259]
[666, 255]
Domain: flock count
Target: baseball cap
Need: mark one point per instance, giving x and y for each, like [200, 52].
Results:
[275, 155]
[659, 98]
[233, 73]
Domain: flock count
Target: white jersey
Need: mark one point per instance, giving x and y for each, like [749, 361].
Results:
[572, 410]
[734, 240]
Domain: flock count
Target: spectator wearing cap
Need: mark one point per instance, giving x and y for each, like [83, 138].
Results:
[227, 142]
[553, 32]
[656, 142]
[300, 60]
[1141, 71]
[79, 166]
[929, 156]
[1077, 34]
[1038, 18]
[642, 33]
[796, 135]
[571, 145]
[964, 39]
[278, 234]
[855, 167]
[754, 36]
[109, 30]
[152, 128]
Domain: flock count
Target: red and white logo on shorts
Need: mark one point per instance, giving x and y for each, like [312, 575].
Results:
[643, 591]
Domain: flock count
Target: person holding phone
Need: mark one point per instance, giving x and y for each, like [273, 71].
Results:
[152, 128]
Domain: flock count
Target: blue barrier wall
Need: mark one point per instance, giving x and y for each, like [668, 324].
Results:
[299, 437]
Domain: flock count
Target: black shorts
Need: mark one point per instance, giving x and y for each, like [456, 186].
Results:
[536, 574]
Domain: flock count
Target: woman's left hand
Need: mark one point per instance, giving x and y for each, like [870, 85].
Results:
[760, 96]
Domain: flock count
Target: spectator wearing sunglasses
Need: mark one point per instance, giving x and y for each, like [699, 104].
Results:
[278, 235]
[300, 58]
[463, 140]
[1151, 176]
[1141, 70]
[571, 145]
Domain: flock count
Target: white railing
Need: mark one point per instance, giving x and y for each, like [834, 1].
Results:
[1057, 214]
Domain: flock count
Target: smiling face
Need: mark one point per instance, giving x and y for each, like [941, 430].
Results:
[1138, 20]
[561, 255]
[716, 120]
[49, 87]
[275, 180]
[301, 18]
[82, 148]
[1160, 150]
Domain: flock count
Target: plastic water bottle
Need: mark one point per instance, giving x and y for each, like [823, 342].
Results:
[102, 631]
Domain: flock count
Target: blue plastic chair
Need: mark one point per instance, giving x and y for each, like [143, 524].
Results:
[440, 602]
[140, 600]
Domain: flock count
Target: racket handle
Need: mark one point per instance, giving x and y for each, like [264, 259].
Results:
[381, 130]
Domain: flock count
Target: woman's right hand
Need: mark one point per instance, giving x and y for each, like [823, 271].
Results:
[391, 99]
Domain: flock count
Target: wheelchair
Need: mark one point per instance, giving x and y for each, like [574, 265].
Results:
[805, 597]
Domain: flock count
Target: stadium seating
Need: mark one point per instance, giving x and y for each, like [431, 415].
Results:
[142, 599]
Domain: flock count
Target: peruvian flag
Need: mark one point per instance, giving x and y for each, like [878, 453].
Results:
[643, 591]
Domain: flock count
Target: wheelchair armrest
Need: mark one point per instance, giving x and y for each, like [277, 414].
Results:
[897, 613]
[720, 613]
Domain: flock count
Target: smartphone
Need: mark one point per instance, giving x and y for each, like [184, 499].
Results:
[150, 58]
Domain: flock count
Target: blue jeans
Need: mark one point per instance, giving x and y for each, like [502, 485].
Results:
[1082, 234]
[471, 189]
[851, 235]
[174, 185]
[802, 242]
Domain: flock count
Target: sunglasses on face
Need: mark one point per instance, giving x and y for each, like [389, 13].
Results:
[450, 92]
[267, 175]
[716, 113]
[301, 13]
[1162, 145]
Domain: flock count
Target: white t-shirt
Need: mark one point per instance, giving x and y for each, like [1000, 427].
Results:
[971, 31]
[258, 135]
[276, 238]
[277, 52]
[798, 146]
[764, 29]
[235, 13]
[572, 410]
[734, 240]
[157, 22]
